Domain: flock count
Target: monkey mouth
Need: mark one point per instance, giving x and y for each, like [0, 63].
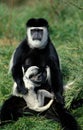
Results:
[39, 39]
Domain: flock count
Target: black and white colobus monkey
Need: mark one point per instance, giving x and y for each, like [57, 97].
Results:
[37, 50]
[34, 100]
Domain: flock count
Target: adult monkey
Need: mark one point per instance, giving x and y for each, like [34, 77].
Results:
[37, 50]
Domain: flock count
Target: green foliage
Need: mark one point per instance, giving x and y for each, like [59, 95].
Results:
[66, 29]
[72, 64]
[5, 79]
[32, 123]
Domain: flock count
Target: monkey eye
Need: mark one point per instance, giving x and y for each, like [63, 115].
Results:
[36, 30]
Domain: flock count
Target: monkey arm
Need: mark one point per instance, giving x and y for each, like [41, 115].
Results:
[17, 72]
[17, 66]
[18, 77]
[56, 78]
[42, 93]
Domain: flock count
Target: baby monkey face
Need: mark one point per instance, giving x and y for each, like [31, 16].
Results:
[36, 75]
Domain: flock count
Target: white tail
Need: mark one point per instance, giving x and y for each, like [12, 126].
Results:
[43, 108]
[68, 86]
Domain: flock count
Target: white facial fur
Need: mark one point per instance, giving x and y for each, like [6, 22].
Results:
[37, 43]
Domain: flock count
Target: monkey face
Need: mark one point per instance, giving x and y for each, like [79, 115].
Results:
[34, 77]
[37, 37]
[37, 34]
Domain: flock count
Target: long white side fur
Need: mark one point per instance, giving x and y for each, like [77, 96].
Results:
[11, 62]
[35, 101]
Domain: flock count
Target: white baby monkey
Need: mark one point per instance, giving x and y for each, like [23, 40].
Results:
[35, 101]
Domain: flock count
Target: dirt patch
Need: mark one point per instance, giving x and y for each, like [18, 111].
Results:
[6, 41]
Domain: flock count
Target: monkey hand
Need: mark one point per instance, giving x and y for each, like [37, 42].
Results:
[22, 89]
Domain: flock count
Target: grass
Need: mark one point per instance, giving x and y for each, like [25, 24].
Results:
[32, 123]
[66, 29]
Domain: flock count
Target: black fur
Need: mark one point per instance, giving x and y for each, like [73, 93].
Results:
[12, 108]
[26, 57]
[76, 103]
[37, 22]
[15, 107]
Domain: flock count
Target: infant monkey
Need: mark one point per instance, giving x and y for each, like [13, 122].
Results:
[35, 101]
